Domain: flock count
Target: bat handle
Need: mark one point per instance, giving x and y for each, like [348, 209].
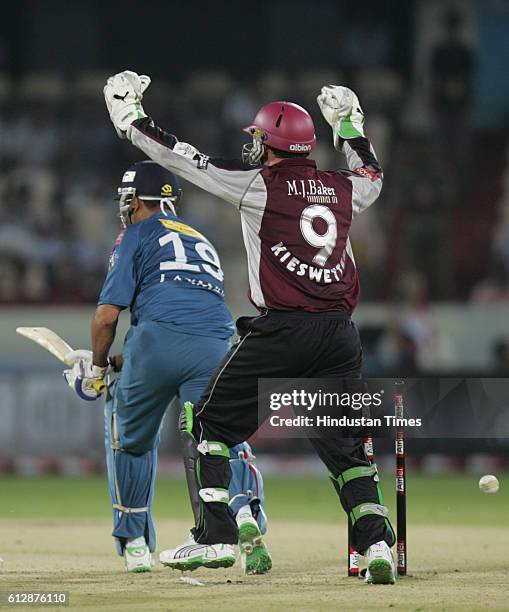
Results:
[100, 386]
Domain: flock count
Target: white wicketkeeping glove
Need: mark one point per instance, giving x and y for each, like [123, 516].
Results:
[85, 378]
[123, 93]
[342, 111]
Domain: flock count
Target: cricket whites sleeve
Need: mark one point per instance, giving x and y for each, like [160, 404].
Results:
[366, 177]
[226, 180]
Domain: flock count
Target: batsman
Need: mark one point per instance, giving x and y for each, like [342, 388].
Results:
[169, 275]
[303, 280]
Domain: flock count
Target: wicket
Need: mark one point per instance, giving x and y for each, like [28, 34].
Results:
[401, 546]
[401, 539]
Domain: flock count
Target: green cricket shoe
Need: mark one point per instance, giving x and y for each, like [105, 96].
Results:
[254, 556]
[137, 556]
[380, 564]
[191, 555]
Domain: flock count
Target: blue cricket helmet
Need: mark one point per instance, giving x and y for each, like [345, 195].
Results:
[148, 181]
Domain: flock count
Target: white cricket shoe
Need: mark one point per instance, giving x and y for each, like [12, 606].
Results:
[191, 556]
[254, 556]
[137, 556]
[380, 564]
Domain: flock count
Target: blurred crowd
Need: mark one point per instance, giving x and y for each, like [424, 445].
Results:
[442, 223]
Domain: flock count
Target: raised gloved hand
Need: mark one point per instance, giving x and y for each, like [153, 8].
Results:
[123, 93]
[342, 111]
[85, 378]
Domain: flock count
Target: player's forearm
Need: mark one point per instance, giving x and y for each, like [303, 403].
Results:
[367, 173]
[159, 145]
[104, 325]
[223, 179]
[359, 153]
[147, 126]
[103, 335]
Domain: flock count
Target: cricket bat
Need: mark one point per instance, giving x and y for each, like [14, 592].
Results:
[56, 345]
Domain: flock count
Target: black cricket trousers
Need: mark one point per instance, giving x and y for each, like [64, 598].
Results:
[277, 344]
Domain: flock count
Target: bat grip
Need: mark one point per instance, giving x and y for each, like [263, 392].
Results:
[100, 386]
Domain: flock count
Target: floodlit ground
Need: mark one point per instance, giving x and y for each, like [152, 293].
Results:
[54, 535]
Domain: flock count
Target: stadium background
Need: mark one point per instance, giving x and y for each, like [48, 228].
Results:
[433, 253]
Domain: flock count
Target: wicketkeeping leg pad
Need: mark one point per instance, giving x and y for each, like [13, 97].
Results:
[190, 456]
[208, 475]
[361, 497]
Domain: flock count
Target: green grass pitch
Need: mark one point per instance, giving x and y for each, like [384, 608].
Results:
[55, 534]
[444, 499]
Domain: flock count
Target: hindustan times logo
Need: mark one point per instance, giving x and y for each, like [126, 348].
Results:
[319, 399]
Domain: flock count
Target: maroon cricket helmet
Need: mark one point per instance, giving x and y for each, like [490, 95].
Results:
[286, 126]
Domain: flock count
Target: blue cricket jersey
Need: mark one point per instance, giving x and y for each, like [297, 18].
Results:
[166, 271]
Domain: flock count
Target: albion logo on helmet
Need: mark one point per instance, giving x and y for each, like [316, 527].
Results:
[300, 147]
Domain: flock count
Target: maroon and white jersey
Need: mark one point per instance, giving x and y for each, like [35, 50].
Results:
[295, 218]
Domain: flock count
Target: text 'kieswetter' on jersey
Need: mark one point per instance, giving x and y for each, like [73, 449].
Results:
[166, 271]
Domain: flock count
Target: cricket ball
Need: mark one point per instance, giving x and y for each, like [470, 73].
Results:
[489, 484]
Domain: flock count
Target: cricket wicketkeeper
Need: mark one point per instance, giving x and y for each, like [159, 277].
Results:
[303, 280]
